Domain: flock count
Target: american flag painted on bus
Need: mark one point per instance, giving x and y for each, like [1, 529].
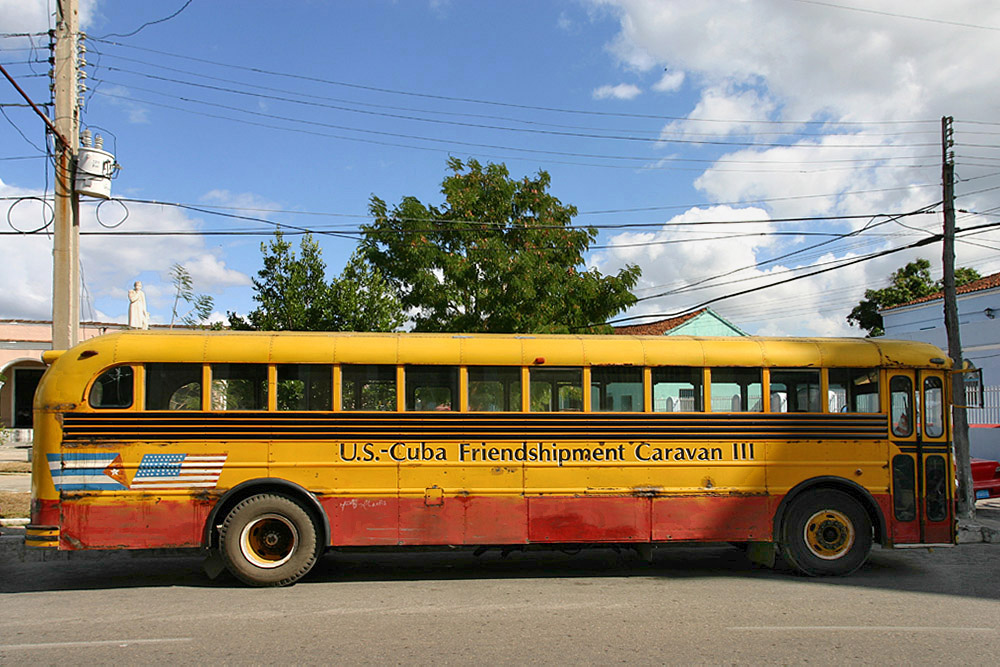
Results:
[87, 471]
[178, 471]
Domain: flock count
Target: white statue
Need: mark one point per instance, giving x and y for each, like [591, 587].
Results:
[138, 316]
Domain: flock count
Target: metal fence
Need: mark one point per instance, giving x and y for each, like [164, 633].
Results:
[990, 412]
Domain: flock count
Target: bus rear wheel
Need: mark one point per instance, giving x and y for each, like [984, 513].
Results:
[826, 533]
[269, 540]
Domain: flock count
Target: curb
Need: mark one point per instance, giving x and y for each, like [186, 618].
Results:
[11, 523]
[972, 533]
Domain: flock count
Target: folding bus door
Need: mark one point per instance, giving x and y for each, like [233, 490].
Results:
[934, 450]
[920, 458]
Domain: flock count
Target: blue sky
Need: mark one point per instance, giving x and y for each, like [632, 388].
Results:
[671, 115]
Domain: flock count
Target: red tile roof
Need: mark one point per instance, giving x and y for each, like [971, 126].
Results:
[984, 283]
[656, 328]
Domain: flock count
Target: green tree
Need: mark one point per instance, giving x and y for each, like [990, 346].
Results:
[908, 283]
[500, 255]
[200, 305]
[364, 300]
[294, 295]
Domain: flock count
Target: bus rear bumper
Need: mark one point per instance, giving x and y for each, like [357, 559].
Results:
[41, 537]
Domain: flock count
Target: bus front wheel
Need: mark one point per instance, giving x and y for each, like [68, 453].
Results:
[269, 540]
[826, 532]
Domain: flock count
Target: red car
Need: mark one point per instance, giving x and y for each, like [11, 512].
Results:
[985, 478]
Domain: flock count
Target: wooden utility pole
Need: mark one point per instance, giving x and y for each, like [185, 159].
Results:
[959, 416]
[66, 232]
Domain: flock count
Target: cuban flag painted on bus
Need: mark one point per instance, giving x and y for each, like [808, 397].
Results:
[178, 471]
[87, 471]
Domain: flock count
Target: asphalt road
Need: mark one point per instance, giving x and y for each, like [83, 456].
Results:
[704, 605]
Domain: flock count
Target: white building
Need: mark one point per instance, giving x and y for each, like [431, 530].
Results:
[978, 309]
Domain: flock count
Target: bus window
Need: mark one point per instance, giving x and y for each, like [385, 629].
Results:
[901, 414]
[370, 387]
[431, 388]
[112, 389]
[795, 391]
[556, 389]
[616, 389]
[737, 390]
[853, 390]
[305, 387]
[239, 387]
[677, 390]
[933, 407]
[173, 386]
[494, 389]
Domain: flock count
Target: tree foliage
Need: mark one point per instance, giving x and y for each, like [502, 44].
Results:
[199, 305]
[294, 295]
[500, 255]
[908, 283]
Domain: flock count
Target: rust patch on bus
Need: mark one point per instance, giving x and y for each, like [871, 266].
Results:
[647, 491]
[99, 444]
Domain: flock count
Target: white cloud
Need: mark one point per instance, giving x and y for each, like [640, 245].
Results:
[756, 61]
[723, 110]
[623, 91]
[38, 15]
[110, 263]
[669, 82]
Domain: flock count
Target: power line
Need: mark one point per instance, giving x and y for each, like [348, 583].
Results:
[851, 262]
[896, 15]
[284, 91]
[659, 136]
[531, 131]
[147, 23]
[468, 100]
[453, 142]
[841, 264]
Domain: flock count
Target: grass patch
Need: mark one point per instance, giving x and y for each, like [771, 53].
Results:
[15, 466]
[14, 505]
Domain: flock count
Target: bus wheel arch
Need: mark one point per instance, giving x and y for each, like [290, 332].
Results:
[240, 492]
[825, 531]
[850, 487]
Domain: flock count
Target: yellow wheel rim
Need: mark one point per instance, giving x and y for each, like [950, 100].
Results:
[269, 541]
[829, 534]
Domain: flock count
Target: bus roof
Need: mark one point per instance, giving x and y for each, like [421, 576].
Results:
[499, 349]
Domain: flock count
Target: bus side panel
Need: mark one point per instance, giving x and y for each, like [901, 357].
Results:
[462, 520]
[708, 518]
[109, 522]
[427, 520]
[593, 519]
[363, 521]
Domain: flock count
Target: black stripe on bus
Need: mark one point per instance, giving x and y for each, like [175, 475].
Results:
[395, 426]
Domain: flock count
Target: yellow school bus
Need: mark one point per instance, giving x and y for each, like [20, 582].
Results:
[268, 448]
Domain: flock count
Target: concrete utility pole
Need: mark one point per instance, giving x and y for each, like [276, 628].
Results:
[66, 233]
[960, 418]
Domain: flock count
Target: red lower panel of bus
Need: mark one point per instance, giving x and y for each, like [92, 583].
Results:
[137, 524]
[466, 520]
[478, 520]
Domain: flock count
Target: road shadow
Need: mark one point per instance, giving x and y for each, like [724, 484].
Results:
[967, 570]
